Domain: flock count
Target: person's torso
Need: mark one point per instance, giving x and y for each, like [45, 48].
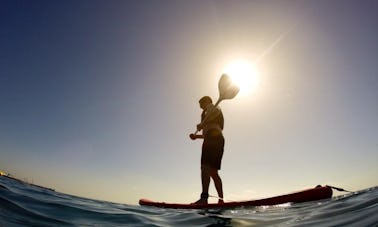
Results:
[214, 122]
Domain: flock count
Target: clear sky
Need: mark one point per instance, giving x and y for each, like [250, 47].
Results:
[97, 98]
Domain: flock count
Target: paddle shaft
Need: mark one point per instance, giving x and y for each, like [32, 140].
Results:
[226, 91]
[215, 106]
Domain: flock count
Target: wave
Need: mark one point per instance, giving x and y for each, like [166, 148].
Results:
[26, 205]
[14, 214]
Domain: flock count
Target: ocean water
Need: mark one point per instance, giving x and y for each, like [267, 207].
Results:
[27, 205]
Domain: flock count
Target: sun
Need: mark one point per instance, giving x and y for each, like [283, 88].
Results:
[243, 74]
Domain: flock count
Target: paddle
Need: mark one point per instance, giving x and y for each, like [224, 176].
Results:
[227, 90]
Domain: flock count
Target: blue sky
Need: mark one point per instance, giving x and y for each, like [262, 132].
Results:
[97, 98]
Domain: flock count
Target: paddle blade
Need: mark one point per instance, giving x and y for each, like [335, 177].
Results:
[227, 89]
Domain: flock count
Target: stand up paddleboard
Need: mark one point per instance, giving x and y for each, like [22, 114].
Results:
[313, 194]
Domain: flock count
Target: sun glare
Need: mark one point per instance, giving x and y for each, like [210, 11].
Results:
[243, 74]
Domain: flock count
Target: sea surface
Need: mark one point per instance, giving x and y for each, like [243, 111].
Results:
[28, 205]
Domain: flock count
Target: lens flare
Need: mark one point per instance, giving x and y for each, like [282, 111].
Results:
[243, 74]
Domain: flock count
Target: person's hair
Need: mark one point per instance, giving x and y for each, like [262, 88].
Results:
[206, 99]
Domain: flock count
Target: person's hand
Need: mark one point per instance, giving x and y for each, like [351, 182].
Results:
[192, 136]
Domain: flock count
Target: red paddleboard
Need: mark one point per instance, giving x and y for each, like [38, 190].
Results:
[313, 194]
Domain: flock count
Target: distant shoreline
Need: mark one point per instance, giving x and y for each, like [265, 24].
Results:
[2, 174]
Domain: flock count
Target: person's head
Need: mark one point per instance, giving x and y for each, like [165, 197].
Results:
[205, 101]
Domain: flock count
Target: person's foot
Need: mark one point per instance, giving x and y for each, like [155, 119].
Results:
[220, 201]
[201, 201]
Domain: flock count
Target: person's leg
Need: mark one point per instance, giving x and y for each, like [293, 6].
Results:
[205, 179]
[218, 183]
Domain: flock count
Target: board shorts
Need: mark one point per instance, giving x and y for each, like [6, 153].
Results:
[212, 150]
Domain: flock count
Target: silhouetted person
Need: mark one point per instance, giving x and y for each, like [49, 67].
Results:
[212, 148]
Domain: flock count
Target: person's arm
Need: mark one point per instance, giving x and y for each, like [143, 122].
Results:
[194, 136]
[211, 115]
